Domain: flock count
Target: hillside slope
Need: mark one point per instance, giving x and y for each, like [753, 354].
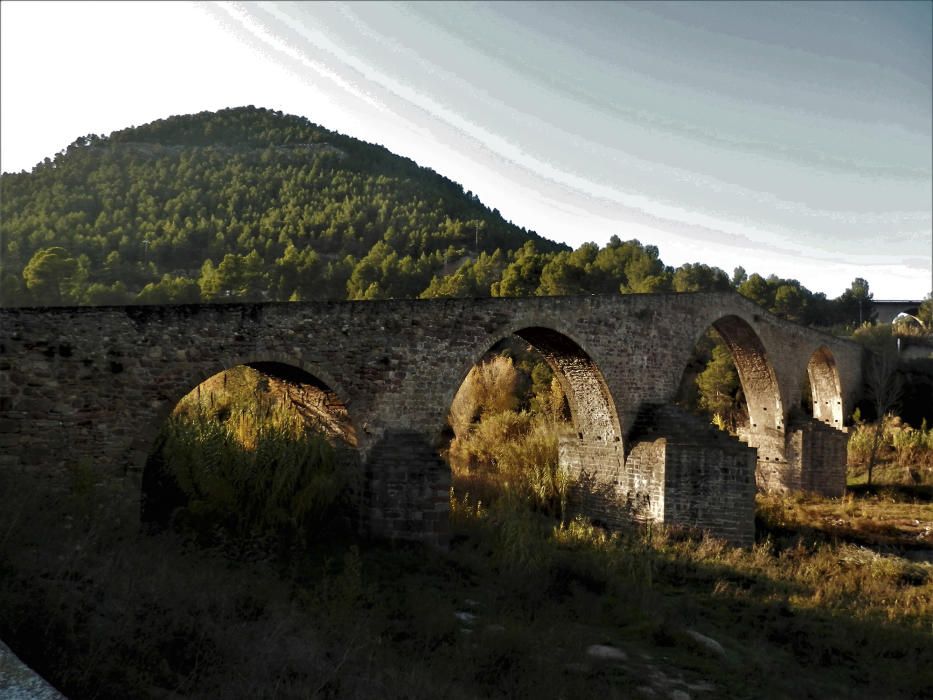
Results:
[300, 209]
[247, 204]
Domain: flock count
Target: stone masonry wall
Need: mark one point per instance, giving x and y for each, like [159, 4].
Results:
[823, 458]
[712, 487]
[678, 471]
[814, 459]
[778, 464]
[92, 386]
[599, 481]
[406, 489]
[707, 476]
[644, 479]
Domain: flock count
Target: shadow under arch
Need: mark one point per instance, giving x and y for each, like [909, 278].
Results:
[592, 410]
[825, 388]
[759, 382]
[180, 382]
[319, 406]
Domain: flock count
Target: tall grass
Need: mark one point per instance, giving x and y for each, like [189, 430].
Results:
[499, 452]
[246, 464]
[511, 455]
[906, 450]
[250, 476]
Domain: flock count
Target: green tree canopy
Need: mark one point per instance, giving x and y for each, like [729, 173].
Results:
[47, 274]
[252, 204]
[855, 305]
[697, 277]
[719, 387]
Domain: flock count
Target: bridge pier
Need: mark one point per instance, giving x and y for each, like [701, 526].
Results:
[818, 453]
[678, 471]
[602, 489]
[811, 456]
[406, 492]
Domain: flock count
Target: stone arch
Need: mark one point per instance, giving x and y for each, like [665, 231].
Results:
[591, 406]
[759, 382]
[825, 387]
[592, 409]
[319, 404]
[288, 366]
[180, 381]
[766, 431]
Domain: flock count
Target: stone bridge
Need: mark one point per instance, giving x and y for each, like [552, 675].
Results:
[94, 385]
[887, 310]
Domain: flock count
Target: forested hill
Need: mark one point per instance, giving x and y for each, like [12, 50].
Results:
[251, 204]
[279, 206]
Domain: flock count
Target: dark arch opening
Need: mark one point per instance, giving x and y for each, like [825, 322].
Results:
[259, 448]
[527, 394]
[762, 395]
[591, 407]
[730, 379]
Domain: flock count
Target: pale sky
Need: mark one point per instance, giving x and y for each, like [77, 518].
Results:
[794, 139]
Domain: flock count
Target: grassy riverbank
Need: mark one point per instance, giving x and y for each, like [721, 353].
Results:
[510, 611]
[260, 589]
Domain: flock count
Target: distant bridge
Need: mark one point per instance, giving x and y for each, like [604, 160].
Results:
[888, 309]
[94, 385]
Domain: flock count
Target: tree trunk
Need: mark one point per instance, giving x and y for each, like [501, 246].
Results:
[875, 444]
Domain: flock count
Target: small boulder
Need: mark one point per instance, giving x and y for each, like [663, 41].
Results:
[604, 651]
[707, 643]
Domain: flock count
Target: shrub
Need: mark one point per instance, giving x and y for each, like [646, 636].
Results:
[913, 447]
[489, 388]
[878, 337]
[901, 444]
[511, 453]
[860, 443]
[249, 477]
[244, 463]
